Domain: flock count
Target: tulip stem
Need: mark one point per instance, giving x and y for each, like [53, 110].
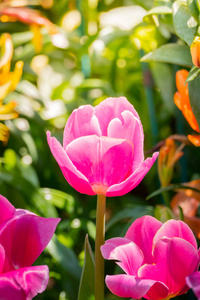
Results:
[100, 239]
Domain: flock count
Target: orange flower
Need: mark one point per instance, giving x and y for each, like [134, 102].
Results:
[31, 17]
[195, 51]
[168, 156]
[182, 101]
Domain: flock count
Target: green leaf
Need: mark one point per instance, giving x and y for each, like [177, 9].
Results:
[192, 4]
[184, 23]
[194, 92]
[65, 257]
[194, 72]
[59, 199]
[164, 79]
[171, 187]
[164, 10]
[170, 53]
[86, 288]
[126, 213]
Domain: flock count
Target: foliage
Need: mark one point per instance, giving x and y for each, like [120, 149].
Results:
[80, 52]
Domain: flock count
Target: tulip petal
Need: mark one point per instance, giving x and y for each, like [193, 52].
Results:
[24, 238]
[77, 180]
[193, 281]
[171, 256]
[2, 258]
[133, 287]
[110, 109]
[130, 129]
[81, 122]
[142, 232]
[125, 251]
[102, 160]
[133, 180]
[173, 228]
[7, 210]
[23, 284]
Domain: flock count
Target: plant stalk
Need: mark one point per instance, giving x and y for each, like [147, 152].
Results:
[100, 239]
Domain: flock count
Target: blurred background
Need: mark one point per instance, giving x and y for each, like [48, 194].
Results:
[75, 53]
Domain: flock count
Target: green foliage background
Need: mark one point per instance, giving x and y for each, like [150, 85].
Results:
[86, 66]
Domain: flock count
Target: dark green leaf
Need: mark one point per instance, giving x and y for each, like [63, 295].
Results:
[133, 212]
[171, 187]
[65, 257]
[86, 288]
[184, 23]
[194, 92]
[170, 53]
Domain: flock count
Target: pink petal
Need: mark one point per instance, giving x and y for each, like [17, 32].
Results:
[7, 210]
[193, 281]
[128, 286]
[77, 180]
[24, 238]
[23, 284]
[125, 251]
[129, 129]
[2, 258]
[174, 260]
[102, 160]
[142, 232]
[134, 179]
[112, 108]
[81, 122]
[173, 228]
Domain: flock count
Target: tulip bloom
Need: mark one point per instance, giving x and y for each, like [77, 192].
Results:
[182, 101]
[23, 236]
[155, 257]
[102, 149]
[193, 281]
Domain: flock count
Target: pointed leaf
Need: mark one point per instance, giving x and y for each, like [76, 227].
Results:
[171, 187]
[194, 72]
[86, 288]
[171, 53]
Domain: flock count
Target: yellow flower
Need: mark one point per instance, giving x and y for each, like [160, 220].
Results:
[8, 83]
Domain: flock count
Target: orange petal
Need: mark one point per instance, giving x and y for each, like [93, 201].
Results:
[194, 139]
[195, 51]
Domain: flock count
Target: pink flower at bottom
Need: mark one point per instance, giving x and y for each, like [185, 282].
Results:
[193, 281]
[23, 236]
[155, 257]
[102, 150]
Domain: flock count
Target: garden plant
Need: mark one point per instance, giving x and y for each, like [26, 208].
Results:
[99, 149]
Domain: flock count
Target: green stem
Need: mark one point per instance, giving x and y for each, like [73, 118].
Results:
[100, 239]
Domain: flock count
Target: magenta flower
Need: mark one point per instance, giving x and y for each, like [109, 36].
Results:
[193, 281]
[23, 236]
[102, 149]
[155, 257]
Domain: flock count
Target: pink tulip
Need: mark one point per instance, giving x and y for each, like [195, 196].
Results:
[23, 236]
[102, 149]
[155, 257]
[193, 281]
